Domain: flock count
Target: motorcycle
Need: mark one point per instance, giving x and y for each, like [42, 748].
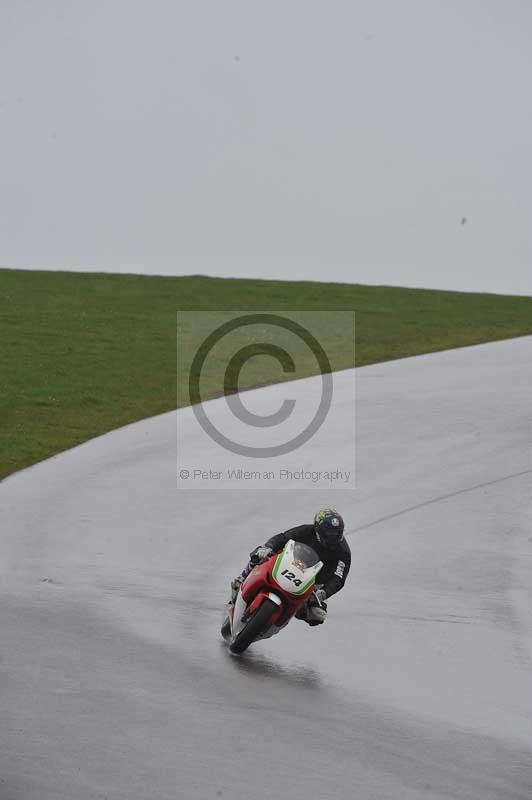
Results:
[273, 592]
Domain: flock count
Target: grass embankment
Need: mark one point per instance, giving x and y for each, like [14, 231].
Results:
[83, 353]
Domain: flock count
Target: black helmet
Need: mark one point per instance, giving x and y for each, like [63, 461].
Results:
[329, 527]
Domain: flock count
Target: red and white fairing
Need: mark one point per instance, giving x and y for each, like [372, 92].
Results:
[286, 580]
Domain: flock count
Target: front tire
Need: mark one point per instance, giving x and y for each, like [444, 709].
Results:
[256, 625]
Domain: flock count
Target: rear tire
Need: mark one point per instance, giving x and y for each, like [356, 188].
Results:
[256, 625]
[226, 628]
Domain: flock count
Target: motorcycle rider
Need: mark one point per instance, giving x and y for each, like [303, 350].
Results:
[326, 537]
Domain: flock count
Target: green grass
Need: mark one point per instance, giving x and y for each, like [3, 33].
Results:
[82, 353]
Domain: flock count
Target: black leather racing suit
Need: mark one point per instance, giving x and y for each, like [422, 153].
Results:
[336, 561]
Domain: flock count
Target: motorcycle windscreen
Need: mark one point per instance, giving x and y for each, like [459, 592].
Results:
[296, 567]
[304, 555]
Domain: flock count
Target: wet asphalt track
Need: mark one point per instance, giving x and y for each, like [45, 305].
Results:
[114, 682]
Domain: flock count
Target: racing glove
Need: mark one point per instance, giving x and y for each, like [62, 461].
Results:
[317, 613]
[320, 595]
[260, 554]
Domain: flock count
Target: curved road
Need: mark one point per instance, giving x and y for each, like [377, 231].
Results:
[114, 682]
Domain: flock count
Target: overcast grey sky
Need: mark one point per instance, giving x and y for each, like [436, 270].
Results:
[289, 138]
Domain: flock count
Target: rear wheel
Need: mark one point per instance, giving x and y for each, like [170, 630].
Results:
[256, 625]
[226, 628]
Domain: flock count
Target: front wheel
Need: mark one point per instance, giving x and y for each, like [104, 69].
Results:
[256, 625]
